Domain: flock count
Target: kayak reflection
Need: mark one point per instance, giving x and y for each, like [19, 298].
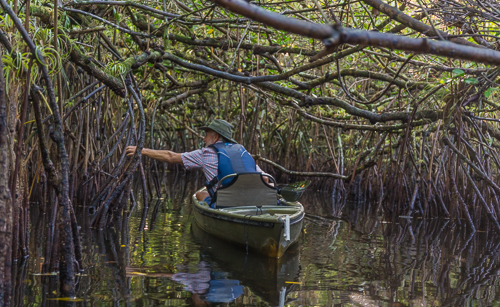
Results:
[212, 287]
[269, 278]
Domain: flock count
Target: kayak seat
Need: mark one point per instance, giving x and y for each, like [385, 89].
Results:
[246, 189]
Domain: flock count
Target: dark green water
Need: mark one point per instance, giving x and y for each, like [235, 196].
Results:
[357, 261]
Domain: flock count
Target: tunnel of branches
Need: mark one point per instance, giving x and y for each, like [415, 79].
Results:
[390, 103]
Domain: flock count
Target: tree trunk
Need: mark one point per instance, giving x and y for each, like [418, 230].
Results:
[5, 202]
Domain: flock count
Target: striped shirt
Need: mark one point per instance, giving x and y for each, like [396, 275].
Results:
[206, 159]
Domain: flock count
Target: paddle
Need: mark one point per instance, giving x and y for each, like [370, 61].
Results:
[293, 191]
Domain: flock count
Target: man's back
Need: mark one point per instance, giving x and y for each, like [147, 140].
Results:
[205, 159]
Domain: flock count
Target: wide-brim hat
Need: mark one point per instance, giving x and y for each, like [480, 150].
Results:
[222, 127]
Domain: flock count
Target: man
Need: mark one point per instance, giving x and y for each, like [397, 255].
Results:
[218, 138]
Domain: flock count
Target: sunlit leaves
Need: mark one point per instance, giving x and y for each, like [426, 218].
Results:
[43, 36]
[6, 21]
[116, 69]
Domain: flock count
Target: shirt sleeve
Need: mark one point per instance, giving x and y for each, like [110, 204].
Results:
[210, 162]
[205, 158]
[192, 159]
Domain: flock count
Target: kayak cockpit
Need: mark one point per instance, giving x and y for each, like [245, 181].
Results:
[254, 211]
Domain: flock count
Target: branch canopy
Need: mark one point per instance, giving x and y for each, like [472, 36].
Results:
[333, 36]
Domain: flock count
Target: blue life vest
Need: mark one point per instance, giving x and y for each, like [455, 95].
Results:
[233, 158]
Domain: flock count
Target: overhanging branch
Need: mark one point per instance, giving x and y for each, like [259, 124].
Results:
[295, 173]
[333, 37]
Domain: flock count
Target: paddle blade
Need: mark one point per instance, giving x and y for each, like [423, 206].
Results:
[293, 191]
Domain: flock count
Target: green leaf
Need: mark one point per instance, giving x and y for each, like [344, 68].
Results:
[457, 72]
[489, 91]
[471, 81]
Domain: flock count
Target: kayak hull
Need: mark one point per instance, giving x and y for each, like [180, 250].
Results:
[263, 230]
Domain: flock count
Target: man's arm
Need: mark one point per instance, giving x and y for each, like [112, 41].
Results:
[265, 178]
[160, 155]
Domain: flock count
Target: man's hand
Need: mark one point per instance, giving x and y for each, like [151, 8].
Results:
[130, 150]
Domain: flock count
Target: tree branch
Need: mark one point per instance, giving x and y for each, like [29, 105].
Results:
[295, 173]
[415, 24]
[334, 37]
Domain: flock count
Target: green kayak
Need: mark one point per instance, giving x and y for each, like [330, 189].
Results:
[268, 229]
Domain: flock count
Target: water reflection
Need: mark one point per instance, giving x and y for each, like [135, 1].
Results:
[360, 260]
[270, 279]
